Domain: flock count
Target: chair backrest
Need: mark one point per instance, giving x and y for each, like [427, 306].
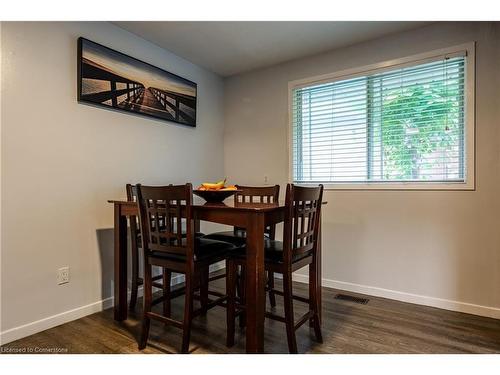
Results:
[164, 211]
[131, 192]
[302, 220]
[256, 195]
[134, 220]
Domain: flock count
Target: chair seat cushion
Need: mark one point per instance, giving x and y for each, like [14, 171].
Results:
[238, 238]
[197, 234]
[204, 250]
[273, 252]
[139, 239]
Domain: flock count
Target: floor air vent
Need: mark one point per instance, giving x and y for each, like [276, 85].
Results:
[346, 297]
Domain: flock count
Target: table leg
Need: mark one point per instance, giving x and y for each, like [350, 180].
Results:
[255, 284]
[315, 278]
[120, 265]
[318, 272]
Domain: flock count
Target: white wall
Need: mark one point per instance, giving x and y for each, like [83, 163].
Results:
[436, 248]
[62, 160]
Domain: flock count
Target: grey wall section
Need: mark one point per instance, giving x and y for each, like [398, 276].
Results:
[434, 247]
[61, 161]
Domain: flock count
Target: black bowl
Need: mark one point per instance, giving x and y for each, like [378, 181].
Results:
[214, 196]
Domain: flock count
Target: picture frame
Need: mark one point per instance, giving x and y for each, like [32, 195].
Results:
[113, 80]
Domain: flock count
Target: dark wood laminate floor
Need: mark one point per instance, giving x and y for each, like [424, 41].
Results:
[381, 326]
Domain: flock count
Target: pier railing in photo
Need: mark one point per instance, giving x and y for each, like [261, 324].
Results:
[131, 88]
[172, 100]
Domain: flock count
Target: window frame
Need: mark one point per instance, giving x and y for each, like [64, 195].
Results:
[421, 58]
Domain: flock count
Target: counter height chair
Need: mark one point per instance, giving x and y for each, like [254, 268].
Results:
[169, 241]
[248, 195]
[297, 250]
[135, 243]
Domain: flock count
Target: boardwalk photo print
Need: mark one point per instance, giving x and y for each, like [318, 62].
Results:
[112, 79]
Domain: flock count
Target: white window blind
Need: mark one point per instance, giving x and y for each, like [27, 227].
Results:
[397, 125]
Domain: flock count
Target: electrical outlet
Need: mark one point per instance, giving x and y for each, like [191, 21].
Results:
[63, 275]
[265, 180]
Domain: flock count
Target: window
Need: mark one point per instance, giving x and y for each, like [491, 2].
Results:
[406, 125]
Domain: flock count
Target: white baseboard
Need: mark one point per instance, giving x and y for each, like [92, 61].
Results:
[29, 329]
[469, 308]
[19, 332]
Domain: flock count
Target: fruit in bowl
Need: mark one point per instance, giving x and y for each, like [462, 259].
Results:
[215, 192]
[217, 186]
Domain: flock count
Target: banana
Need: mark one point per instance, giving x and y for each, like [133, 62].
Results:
[211, 186]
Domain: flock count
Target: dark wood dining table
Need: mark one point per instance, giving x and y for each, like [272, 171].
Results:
[254, 218]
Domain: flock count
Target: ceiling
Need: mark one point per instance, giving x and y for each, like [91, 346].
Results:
[229, 48]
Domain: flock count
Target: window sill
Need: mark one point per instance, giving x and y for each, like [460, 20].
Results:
[431, 186]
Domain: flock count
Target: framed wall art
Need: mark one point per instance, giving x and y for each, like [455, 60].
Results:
[111, 79]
